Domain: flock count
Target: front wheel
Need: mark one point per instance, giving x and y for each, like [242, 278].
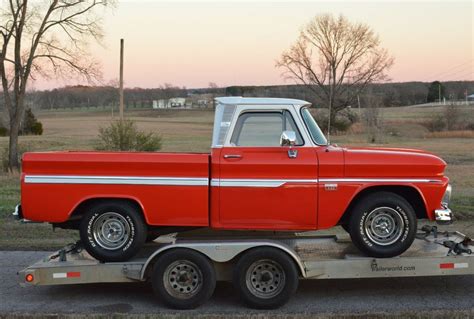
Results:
[112, 231]
[383, 225]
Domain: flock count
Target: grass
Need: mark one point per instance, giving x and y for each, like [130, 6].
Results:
[191, 131]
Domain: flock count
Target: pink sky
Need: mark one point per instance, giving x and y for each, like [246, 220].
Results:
[236, 43]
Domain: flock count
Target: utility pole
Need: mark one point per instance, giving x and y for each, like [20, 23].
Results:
[439, 93]
[121, 81]
[358, 103]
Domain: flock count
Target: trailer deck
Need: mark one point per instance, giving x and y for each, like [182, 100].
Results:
[434, 253]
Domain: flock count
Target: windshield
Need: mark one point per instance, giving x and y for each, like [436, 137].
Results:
[313, 128]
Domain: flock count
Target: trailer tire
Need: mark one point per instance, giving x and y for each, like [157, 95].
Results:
[122, 222]
[265, 277]
[383, 225]
[183, 278]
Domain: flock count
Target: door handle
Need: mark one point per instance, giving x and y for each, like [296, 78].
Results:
[232, 156]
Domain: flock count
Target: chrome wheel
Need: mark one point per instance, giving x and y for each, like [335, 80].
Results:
[384, 226]
[265, 278]
[183, 279]
[111, 231]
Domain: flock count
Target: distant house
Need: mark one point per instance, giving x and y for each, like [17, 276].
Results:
[169, 103]
[177, 102]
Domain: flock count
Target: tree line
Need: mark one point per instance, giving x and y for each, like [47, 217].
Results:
[391, 94]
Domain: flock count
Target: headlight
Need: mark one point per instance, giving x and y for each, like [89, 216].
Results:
[447, 196]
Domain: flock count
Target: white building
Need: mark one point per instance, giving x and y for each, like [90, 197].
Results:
[166, 104]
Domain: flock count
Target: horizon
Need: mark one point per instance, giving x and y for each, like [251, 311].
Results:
[237, 43]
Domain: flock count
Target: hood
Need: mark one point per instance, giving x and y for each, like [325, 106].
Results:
[391, 162]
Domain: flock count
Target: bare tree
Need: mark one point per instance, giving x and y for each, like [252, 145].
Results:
[336, 59]
[43, 38]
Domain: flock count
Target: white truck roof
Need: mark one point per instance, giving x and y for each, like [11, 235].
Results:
[238, 100]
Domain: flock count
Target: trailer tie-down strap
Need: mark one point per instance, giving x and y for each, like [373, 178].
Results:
[455, 248]
[74, 248]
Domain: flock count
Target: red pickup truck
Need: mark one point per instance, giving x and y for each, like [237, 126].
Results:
[270, 168]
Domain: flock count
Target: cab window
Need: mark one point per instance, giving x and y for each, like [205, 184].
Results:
[263, 129]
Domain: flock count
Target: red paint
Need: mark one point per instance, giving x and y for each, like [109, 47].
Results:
[292, 206]
[446, 266]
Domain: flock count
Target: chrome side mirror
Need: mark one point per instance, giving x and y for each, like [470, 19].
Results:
[288, 138]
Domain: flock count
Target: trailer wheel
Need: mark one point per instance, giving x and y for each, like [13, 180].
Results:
[266, 278]
[112, 231]
[383, 225]
[183, 278]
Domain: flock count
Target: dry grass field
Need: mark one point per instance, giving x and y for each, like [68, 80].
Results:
[190, 130]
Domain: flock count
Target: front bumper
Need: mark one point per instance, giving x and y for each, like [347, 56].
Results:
[444, 216]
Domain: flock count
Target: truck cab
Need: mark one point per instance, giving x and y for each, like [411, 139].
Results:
[264, 164]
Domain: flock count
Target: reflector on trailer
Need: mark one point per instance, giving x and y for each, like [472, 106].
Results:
[453, 265]
[29, 278]
[70, 274]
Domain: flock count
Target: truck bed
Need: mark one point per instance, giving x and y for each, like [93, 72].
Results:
[170, 188]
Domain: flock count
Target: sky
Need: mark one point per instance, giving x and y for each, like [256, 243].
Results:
[192, 43]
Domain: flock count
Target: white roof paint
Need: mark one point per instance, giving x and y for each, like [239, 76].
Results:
[238, 100]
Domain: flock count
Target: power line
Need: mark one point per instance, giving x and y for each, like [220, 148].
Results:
[447, 71]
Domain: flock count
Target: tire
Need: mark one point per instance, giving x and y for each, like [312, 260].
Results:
[190, 291]
[346, 227]
[383, 225]
[265, 277]
[120, 217]
[151, 236]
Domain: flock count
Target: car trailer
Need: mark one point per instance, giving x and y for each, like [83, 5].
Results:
[183, 270]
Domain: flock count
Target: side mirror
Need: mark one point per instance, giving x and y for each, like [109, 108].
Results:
[288, 138]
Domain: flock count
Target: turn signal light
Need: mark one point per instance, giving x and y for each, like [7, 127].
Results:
[29, 278]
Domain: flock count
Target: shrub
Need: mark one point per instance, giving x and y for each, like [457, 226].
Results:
[125, 136]
[31, 126]
[435, 124]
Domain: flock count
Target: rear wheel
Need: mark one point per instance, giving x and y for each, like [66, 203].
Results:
[183, 278]
[265, 277]
[112, 231]
[383, 225]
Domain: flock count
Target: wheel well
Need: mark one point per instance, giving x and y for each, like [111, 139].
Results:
[76, 215]
[407, 192]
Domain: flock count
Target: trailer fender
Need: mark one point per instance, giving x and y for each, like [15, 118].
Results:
[225, 251]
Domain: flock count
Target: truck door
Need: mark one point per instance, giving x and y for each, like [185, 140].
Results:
[263, 185]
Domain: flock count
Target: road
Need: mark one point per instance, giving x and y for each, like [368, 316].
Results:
[408, 297]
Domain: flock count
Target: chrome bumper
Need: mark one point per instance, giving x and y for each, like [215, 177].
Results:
[443, 216]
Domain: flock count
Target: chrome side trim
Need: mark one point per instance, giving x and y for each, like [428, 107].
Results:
[378, 180]
[116, 180]
[229, 182]
[257, 182]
